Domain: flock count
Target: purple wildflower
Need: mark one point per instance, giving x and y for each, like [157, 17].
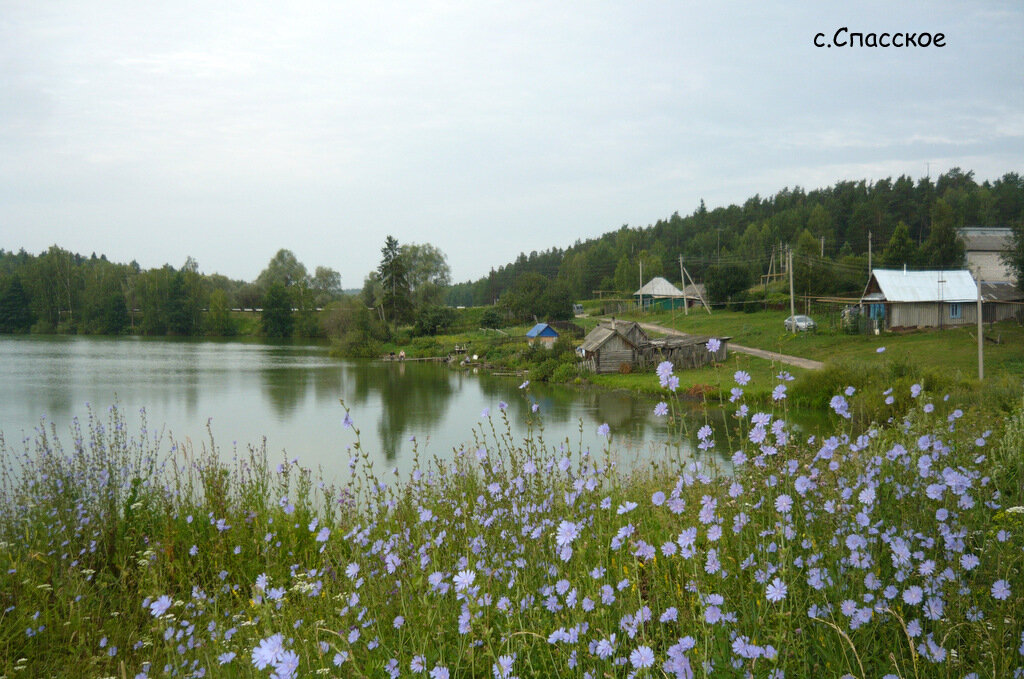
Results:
[464, 579]
[1000, 590]
[776, 590]
[160, 606]
[642, 657]
[268, 651]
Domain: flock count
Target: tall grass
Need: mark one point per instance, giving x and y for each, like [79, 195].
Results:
[882, 550]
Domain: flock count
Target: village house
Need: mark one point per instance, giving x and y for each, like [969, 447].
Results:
[904, 299]
[658, 293]
[985, 247]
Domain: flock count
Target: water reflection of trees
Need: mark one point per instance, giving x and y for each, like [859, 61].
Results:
[288, 373]
[284, 384]
[622, 410]
[412, 397]
[415, 397]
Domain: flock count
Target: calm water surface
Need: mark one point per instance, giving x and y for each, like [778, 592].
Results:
[290, 394]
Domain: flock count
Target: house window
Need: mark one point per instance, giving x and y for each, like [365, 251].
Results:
[877, 312]
[954, 310]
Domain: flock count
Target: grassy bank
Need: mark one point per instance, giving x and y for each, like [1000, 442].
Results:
[712, 382]
[952, 350]
[896, 552]
[944, 360]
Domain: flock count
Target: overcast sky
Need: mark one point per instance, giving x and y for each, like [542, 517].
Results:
[227, 130]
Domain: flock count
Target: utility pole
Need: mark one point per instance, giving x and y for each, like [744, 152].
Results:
[869, 253]
[981, 343]
[682, 278]
[792, 302]
[823, 247]
[696, 290]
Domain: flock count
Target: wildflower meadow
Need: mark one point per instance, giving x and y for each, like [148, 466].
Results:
[884, 549]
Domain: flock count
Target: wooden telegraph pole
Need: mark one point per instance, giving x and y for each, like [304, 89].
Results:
[792, 302]
[981, 353]
[682, 278]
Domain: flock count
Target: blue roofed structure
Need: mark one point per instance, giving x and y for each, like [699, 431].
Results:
[543, 333]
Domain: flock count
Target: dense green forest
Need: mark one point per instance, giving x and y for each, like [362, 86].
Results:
[731, 247]
[65, 292]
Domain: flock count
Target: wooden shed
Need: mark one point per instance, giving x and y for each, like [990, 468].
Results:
[1001, 301]
[605, 349]
[690, 351]
[542, 334]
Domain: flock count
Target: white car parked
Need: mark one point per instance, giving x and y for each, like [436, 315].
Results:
[803, 323]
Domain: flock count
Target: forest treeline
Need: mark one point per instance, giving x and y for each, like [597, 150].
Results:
[908, 222]
[59, 291]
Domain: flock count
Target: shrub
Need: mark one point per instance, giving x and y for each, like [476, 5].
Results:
[565, 372]
[544, 370]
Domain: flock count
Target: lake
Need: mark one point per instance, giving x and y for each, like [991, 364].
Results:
[290, 394]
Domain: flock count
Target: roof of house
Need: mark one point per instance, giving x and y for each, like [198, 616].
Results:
[596, 338]
[683, 341]
[659, 287]
[986, 238]
[1000, 292]
[697, 291]
[925, 286]
[542, 330]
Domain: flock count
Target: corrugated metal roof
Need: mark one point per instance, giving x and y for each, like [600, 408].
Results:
[659, 287]
[926, 286]
[540, 329]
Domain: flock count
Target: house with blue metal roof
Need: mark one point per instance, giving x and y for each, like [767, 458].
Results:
[543, 333]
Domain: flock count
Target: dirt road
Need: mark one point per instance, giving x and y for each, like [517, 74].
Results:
[805, 363]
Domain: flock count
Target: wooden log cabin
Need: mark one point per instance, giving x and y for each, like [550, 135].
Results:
[612, 345]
